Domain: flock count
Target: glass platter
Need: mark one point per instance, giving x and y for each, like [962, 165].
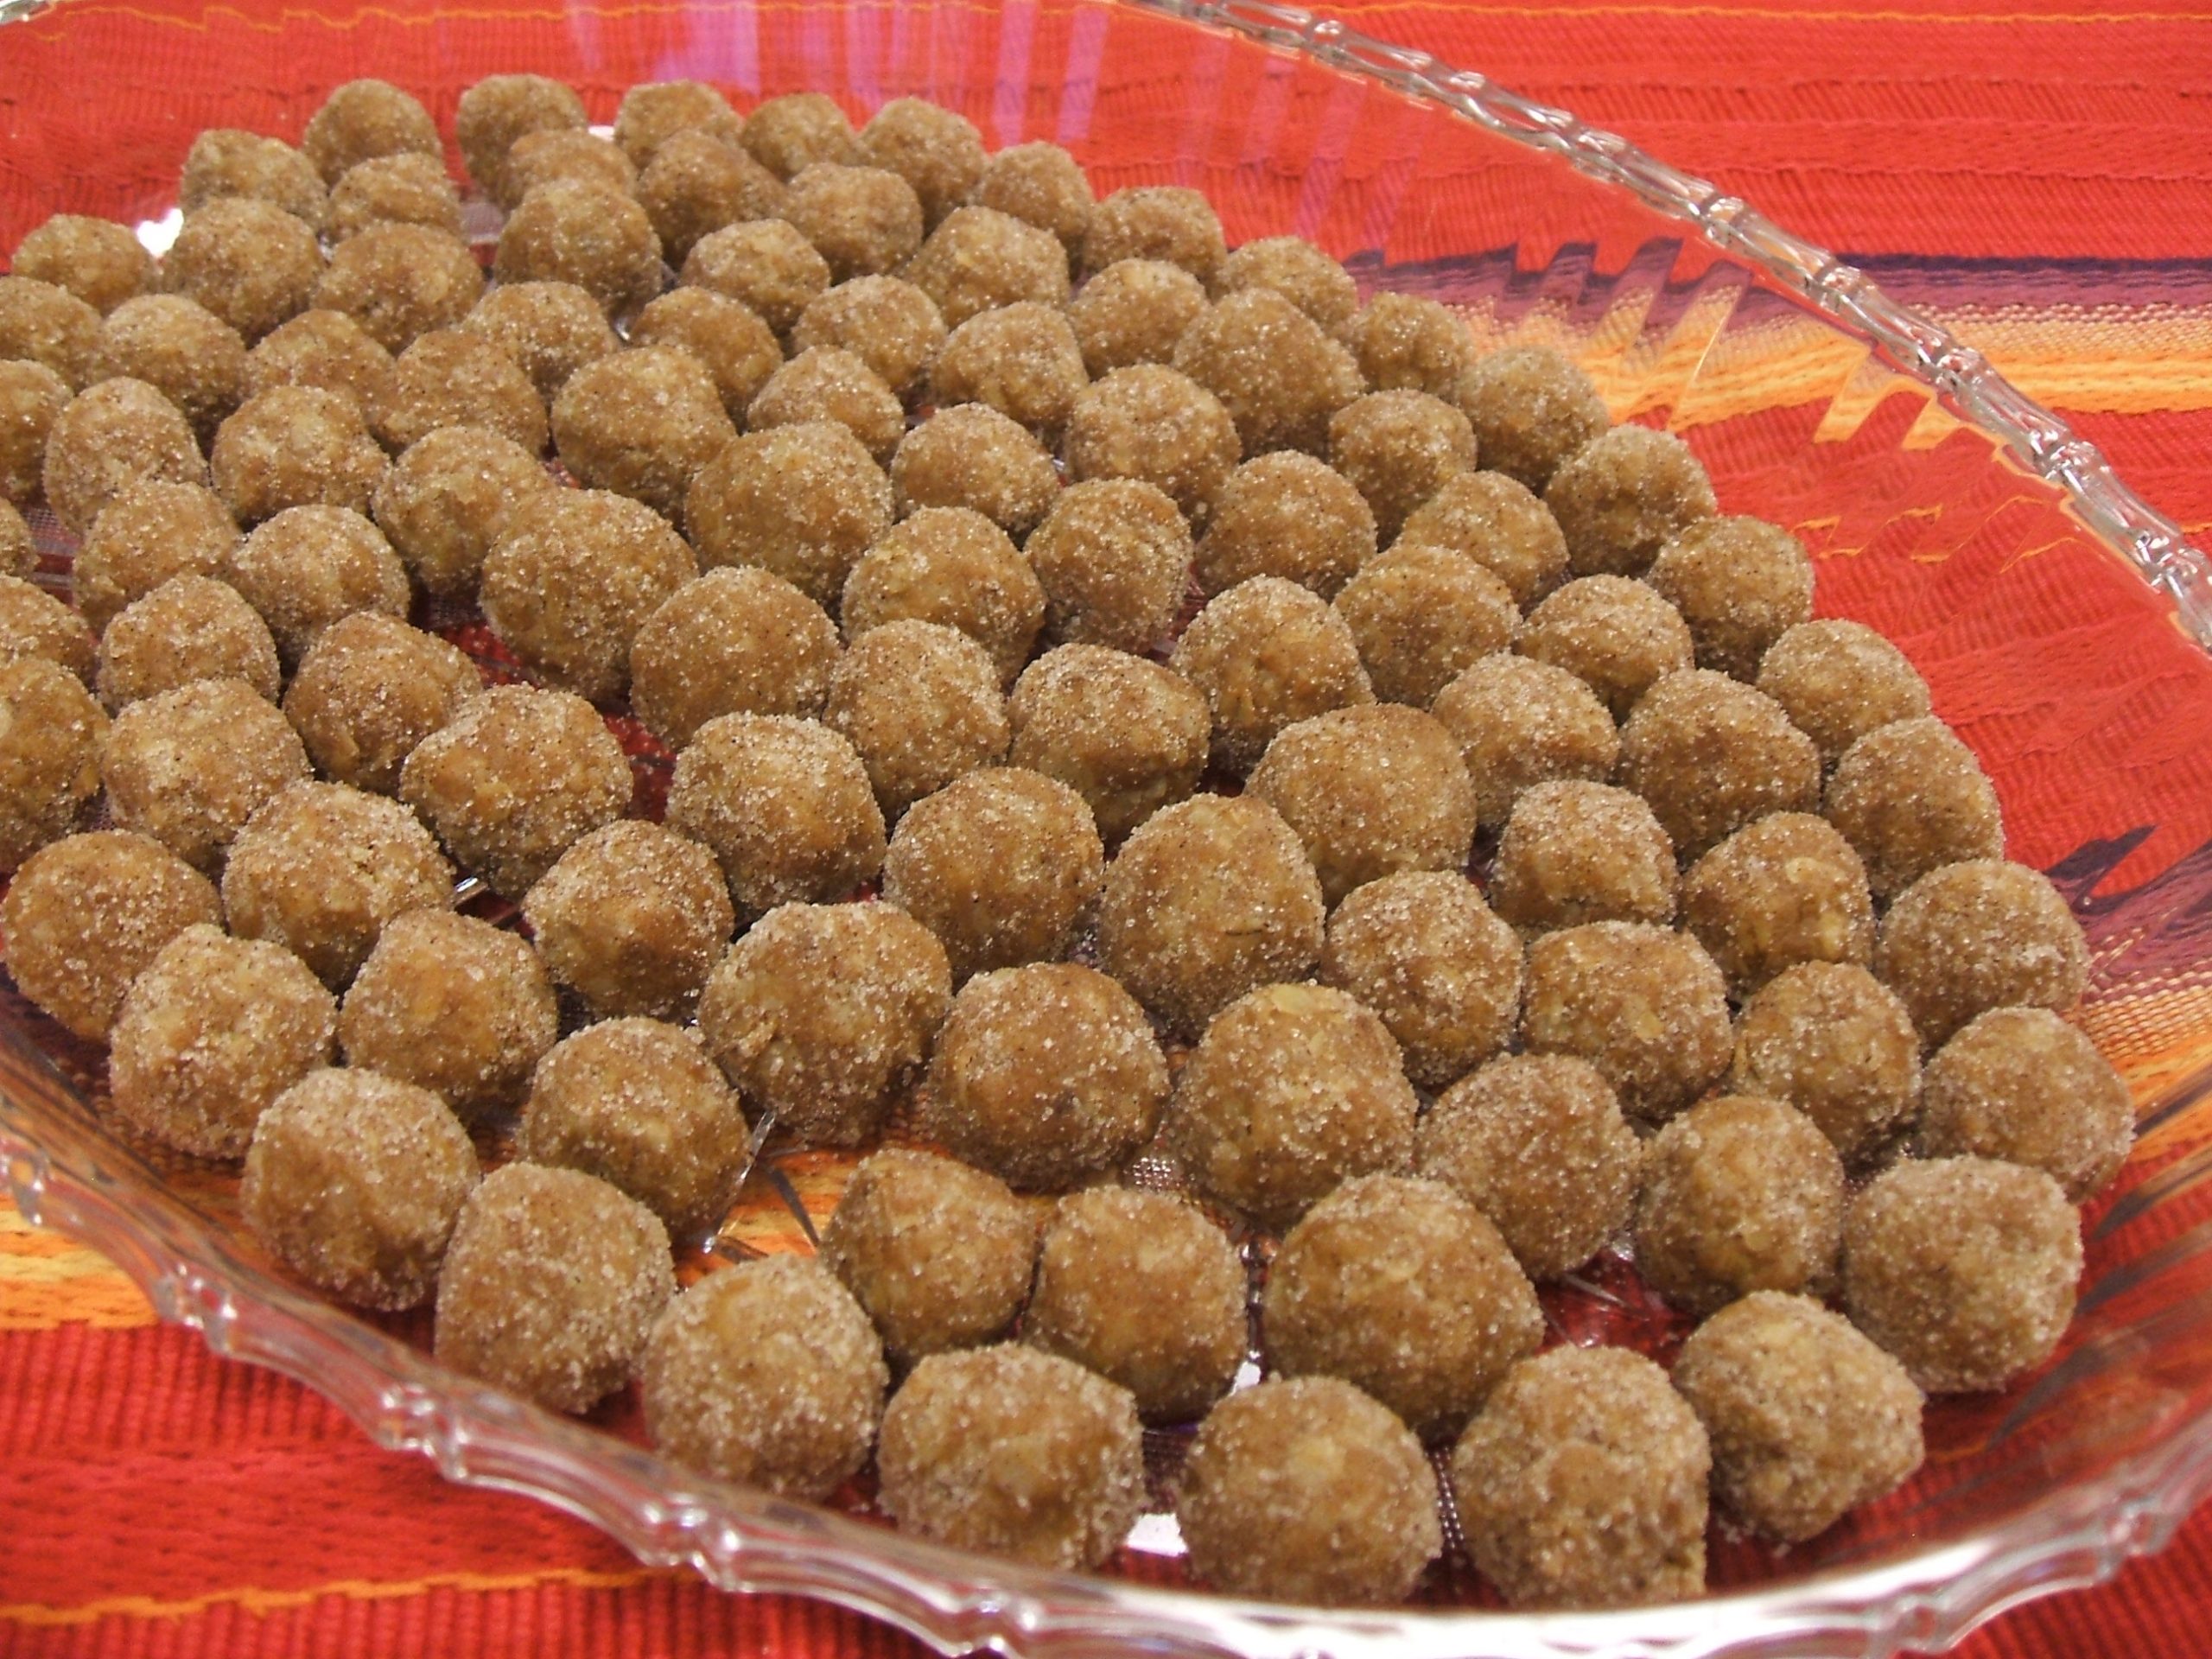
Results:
[2059, 619]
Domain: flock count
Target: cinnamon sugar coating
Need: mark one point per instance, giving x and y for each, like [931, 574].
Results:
[632, 918]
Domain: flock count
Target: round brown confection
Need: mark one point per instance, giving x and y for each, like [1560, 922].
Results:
[1839, 680]
[1045, 1075]
[1740, 584]
[1406, 343]
[1021, 360]
[784, 803]
[1398, 448]
[1831, 1040]
[1268, 654]
[1003, 864]
[405, 189]
[1207, 900]
[1425, 952]
[1371, 791]
[765, 264]
[31, 396]
[1575, 852]
[1910, 797]
[181, 349]
[978, 259]
[802, 502]
[18, 551]
[401, 281]
[1292, 1091]
[2022, 1085]
[188, 767]
[768, 1374]
[1280, 378]
[214, 1032]
[1538, 1144]
[1582, 1484]
[1497, 523]
[639, 1105]
[1645, 1006]
[887, 322]
[921, 704]
[452, 378]
[954, 566]
[1298, 271]
[632, 918]
[515, 779]
[1980, 935]
[111, 436]
[294, 447]
[972, 456]
[734, 641]
[1402, 1288]
[1806, 1418]
[823, 1015]
[40, 323]
[354, 1182]
[1783, 890]
[826, 384]
[1018, 1453]
[326, 350]
[1421, 616]
[863, 220]
[449, 497]
[230, 162]
[550, 329]
[1616, 635]
[51, 736]
[1042, 185]
[1712, 754]
[96, 259]
[1285, 515]
[369, 690]
[573, 578]
[499, 110]
[1531, 408]
[151, 532]
[1164, 222]
[643, 423]
[249, 262]
[1129, 735]
[1305, 1490]
[1143, 1289]
[362, 120]
[936, 151]
[1623, 496]
[697, 184]
[308, 567]
[1739, 1194]
[598, 239]
[34, 623]
[652, 112]
[938, 1253]
[320, 869]
[567, 154]
[551, 1285]
[189, 628]
[1133, 312]
[791, 132]
[1151, 423]
[1964, 1268]
[739, 350]
[87, 914]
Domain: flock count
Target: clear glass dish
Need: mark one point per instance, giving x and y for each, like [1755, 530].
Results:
[2060, 621]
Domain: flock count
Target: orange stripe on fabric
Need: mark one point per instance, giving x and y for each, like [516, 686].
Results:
[267, 1601]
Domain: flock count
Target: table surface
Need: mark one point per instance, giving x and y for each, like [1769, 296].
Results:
[2037, 176]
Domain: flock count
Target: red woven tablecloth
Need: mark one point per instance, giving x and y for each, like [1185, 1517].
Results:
[2037, 172]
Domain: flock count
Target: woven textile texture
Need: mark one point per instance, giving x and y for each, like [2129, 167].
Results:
[2035, 173]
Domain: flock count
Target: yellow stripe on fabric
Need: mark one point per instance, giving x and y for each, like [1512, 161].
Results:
[254, 1600]
[48, 1281]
